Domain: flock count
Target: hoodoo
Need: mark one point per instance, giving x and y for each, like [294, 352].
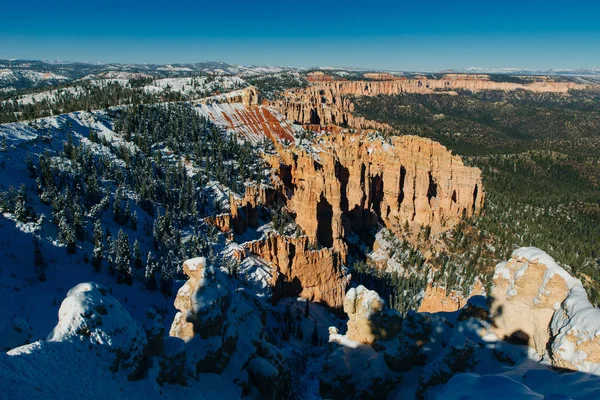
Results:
[352, 182]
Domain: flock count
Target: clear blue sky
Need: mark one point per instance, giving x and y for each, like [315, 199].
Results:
[396, 35]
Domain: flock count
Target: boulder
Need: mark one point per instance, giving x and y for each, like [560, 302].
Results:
[538, 303]
[224, 333]
[90, 317]
[369, 320]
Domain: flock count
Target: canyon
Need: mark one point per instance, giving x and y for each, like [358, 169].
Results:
[343, 185]
[330, 101]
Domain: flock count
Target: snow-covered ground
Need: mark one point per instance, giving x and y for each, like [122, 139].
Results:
[24, 297]
[195, 85]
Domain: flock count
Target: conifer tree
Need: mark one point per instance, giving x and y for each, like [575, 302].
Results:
[137, 255]
[98, 252]
[150, 272]
[123, 258]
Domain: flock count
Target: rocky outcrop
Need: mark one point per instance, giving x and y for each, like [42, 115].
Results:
[224, 333]
[299, 270]
[383, 76]
[89, 316]
[536, 302]
[377, 346]
[244, 210]
[438, 299]
[575, 334]
[310, 109]
[318, 76]
[248, 97]
[201, 305]
[171, 361]
[241, 112]
[353, 182]
[368, 318]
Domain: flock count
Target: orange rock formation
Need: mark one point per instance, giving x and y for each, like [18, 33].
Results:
[352, 182]
[315, 275]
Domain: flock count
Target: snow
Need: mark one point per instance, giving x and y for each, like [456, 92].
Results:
[491, 387]
[194, 264]
[369, 298]
[533, 254]
[195, 86]
[91, 317]
[250, 122]
[15, 334]
[576, 323]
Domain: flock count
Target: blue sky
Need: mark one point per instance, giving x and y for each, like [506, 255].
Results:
[395, 35]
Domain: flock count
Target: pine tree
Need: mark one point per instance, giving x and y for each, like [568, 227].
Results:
[126, 213]
[166, 272]
[79, 223]
[67, 235]
[123, 259]
[98, 233]
[39, 261]
[117, 206]
[150, 272]
[111, 264]
[137, 255]
[21, 209]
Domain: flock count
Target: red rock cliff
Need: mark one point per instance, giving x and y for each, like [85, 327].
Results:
[299, 270]
[352, 182]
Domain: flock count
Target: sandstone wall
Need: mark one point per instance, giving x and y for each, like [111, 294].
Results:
[351, 182]
[315, 275]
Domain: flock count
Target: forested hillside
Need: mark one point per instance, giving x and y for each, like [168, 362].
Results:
[539, 153]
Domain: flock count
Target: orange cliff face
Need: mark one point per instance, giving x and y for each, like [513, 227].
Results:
[342, 183]
[352, 182]
[299, 270]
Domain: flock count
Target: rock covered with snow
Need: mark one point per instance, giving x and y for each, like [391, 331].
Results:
[459, 355]
[155, 330]
[224, 333]
[201, 301]
[89, 316]
[575, 334]
[539, 303]
[528, 289]
[356, 371]
[369, 319]
[376, 348]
